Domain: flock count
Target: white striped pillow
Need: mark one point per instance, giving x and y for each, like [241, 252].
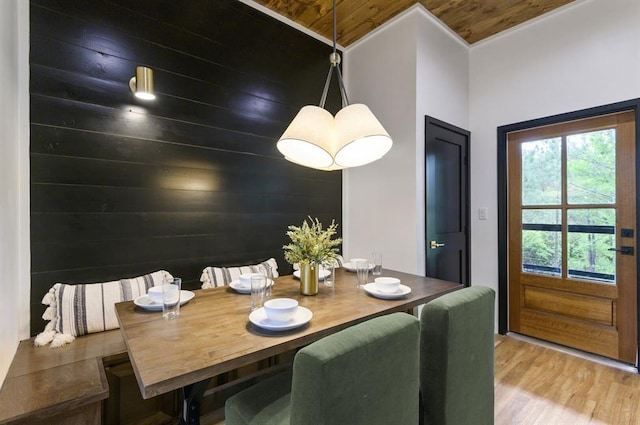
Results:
[213, 277]
[86, 308]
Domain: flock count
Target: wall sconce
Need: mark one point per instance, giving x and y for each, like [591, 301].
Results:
[142, 83]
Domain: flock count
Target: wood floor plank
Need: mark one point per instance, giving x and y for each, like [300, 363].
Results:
[539, 385]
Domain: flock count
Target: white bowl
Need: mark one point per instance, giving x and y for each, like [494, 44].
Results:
[245, 279]
[353, 261]
[387, 285]
[155, 294]
[281, 309]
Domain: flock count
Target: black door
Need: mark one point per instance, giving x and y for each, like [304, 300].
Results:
[447, 198]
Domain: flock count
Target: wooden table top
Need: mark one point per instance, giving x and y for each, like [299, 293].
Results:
[213, 334]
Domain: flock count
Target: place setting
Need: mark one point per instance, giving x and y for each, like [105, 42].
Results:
[386, 288]
[352, 265]
[165, 298]
[280, 314]
[243, 284]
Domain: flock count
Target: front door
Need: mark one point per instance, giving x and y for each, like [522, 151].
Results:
[447, 201]
[572, 234]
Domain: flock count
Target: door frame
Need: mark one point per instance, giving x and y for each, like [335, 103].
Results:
[633, 105]
[428, 120]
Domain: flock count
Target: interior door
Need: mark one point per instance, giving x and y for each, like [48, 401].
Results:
[572, 234]
[447, 201]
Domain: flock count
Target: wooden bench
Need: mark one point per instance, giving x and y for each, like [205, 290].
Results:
[91, 381]
[85, 382]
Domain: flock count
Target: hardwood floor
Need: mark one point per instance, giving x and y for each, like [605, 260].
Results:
[536, 385]
[539, 385]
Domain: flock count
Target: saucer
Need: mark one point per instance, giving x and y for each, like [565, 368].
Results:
[145, 302]
[242, 289]
[348, 267]
[373, 290]
[322, 274]
[259, 318]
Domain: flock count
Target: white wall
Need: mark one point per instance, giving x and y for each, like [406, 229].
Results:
[14, 191]
[442, 89]
[583, 56]
[410, 67]
[379, 211]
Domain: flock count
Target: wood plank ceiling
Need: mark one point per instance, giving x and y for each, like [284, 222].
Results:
[472, 20]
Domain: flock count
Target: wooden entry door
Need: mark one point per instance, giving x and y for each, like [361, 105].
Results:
[447, 201]
[572, 234]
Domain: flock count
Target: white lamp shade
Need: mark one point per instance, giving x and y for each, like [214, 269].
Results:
[316, 139]
[332, 167]
[309, 140]
[361, 137]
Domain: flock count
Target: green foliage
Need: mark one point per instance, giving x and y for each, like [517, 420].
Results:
[310, 243]
[590, 180]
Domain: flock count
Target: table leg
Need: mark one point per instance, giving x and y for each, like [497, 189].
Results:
[192, 397]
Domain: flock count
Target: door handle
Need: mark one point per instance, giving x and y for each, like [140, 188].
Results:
[435, 245]
[624, 250]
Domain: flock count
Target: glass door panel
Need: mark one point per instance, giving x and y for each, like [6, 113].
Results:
[591, 167]
[591, 235]
[542, 241]
[542, 172]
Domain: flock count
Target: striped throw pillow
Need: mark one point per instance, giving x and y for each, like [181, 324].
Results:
[212, 277]
[86, 308]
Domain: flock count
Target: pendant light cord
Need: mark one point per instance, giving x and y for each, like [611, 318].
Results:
[334, 60]
[335, 24]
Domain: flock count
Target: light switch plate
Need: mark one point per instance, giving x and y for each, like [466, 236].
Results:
[482, 213]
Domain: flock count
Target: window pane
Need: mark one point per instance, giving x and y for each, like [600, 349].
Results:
[591, 167]
[541, 172]
[542, 241]
[591, 234]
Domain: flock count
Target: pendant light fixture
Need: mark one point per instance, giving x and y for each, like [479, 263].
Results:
[317, 139]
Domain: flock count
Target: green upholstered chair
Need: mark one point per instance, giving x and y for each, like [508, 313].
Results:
[366, 374]
[457, 358]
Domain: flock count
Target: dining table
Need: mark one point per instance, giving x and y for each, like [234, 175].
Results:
[214, 334]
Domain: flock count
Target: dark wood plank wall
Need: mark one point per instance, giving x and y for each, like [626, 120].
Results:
[122, 187]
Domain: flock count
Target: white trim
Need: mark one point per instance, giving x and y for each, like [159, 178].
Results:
[289, 22]
[421, 9]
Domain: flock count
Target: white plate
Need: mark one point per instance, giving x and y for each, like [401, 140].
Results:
[145, 302]
[322, 274]
[348, 267]
[242, 289]
[373, 290]
[259, 318]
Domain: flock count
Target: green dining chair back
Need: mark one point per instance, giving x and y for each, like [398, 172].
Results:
[457, 358]
[366, 374]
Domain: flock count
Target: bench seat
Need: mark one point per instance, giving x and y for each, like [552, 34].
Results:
[91, 381]
[59, 385]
